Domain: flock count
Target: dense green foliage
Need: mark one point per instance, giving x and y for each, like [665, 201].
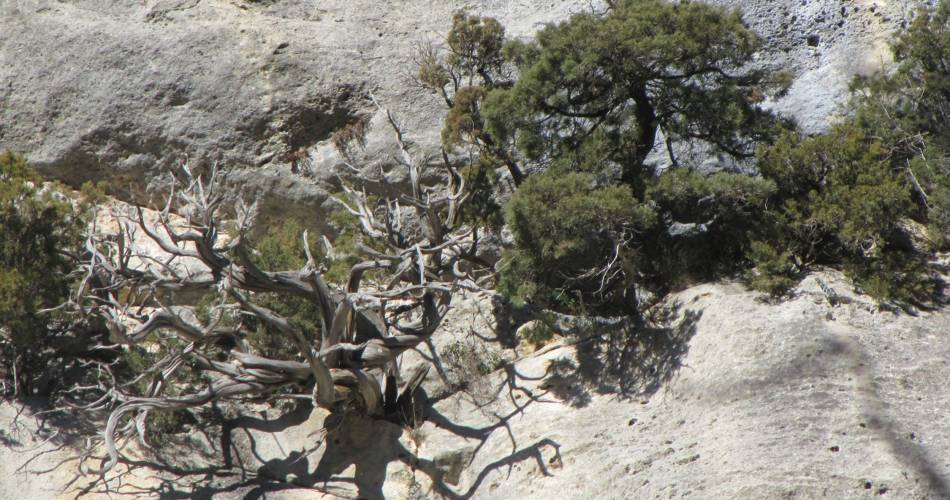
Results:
[38, 230]
[574, 242]
[908, 111]
[855, 195]
[834, 188]
[839, 200]
[709, 223]
[594, 91]
[592, 96]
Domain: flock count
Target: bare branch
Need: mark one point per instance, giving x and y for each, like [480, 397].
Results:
[394, 299]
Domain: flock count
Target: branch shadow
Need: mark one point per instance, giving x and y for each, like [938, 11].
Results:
[633, 360]
[441, 480]
[356, 453]
[169, 475]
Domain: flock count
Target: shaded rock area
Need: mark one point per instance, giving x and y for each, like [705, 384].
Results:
[732, 397]
[123, 90]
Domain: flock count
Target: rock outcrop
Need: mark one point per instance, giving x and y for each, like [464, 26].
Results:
[123, 90]
[735, 398]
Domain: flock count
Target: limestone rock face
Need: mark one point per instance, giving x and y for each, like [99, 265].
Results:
[824, 45]
[735, 399]
[123, 90]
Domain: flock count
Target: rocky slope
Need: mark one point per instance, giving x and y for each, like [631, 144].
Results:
[737, 398]
[123, 90]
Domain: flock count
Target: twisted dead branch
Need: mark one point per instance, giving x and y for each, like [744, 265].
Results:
[393, 300]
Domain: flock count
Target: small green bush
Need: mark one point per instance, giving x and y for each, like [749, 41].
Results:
[281, 249]
[346, 245]
[136, 360]
[775, 271]
[839, 202]
[163, 423]
[899, 278]
[40, 232]
[536, 335]
[467, 359]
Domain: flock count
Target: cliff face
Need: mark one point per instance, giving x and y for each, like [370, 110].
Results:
[122, 90]
[734, 398]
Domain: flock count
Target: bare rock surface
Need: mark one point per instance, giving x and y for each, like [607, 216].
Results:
[122, 90]
[823, 44]
[734, 398]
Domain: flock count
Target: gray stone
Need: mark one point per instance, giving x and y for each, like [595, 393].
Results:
[123, 90]
[823, 44]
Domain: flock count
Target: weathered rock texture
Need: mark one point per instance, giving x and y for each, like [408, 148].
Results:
[824, 44]
[737, 398]
[122, 90]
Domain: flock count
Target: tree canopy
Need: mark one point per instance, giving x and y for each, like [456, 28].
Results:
[593, 94]
[594, 91]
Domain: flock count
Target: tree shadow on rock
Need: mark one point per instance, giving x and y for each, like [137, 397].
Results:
[508, 317]
[564, 381]
[509, 400]
[634, 359]
[350, 457]
[834, 352]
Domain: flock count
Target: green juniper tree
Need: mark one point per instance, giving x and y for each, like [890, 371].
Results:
[853, 196]
[574, 243]
[594, 91]
[908, 110]
[593, 95]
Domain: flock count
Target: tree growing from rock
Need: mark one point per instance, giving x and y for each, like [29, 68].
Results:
[908, 111]
[415, 255]
[873, 193]
[594, 94]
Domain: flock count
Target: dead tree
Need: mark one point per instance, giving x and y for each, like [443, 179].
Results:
[422, 254]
